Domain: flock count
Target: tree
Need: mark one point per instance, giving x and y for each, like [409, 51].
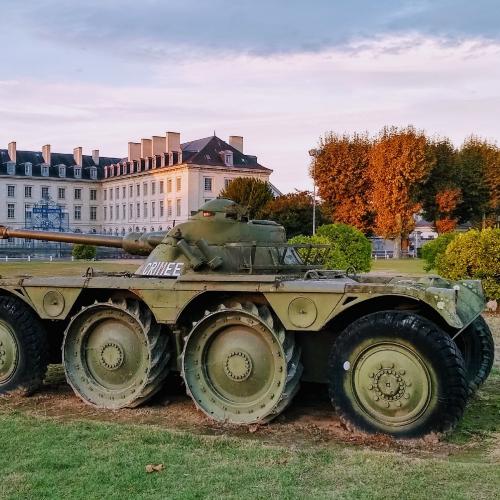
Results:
[479, 177]
[340, 171]
[248, 192]
[440, 194]
[83, 252]
[434, 249]
[294, 211]
[399, 163]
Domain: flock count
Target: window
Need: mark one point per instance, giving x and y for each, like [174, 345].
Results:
[78, 172]
[45, 193]
[117, 193]
[124, 192]
[93, 194]
[153, 209]
[162, 209]
[138, 210]
[78, 212]
[130, 211]
[61, 193]
[131, 190]
[28, 191]
[105, 194]
[11, 191]
[27, 168]
[207, 182]
[169, 185]
[28, 212]
[93, 173]
[161, 187]
[178, 208]
[105, 213]
[169, 208]
[45, 170]
[228, 158]
[11, 212]
[227, 182]
[117, 212]
[144, 189]
[124, 212]
[110, 193]
[62, 171]
[145, 209]
[93, 213]
[78, 194]
[153, 187]
[111, 212]
[178, 183]
[138, 189]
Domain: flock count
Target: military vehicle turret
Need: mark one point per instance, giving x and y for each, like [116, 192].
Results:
[245, 317]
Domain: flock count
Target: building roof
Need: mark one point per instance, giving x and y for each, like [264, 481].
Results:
[210, 150]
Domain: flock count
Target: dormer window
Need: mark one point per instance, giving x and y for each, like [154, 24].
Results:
[105, 172]
[45, 170]
[228, 158]
[11, 168]
[62, 171]
[93, 172]
[28, 168]
[78, 172]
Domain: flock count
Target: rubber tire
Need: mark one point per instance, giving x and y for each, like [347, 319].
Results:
[431, 343]
[32, 344]
[478, 349]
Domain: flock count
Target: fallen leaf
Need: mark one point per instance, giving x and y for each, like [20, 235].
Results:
[154, 468]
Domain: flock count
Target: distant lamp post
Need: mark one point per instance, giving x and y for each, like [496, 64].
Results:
[313, 153]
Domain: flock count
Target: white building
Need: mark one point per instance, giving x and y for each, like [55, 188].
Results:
[155, 187]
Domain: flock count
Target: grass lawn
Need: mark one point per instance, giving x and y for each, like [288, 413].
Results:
[413, 267]
[47, 455]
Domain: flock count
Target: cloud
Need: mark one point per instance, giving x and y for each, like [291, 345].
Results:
[281, 104]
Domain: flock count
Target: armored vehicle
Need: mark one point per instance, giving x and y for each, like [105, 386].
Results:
[245, 317]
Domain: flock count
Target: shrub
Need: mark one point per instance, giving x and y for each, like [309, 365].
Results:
[84, 252]
[334, 260]
[354, 247]
[474, 254]
[350, 247]
[432, 251]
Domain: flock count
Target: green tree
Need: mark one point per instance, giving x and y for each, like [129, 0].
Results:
[294, 211]
[479, 178]
[84, 252]
[250, 193]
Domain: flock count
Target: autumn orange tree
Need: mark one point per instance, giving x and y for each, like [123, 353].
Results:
[340, 170]
[399, 163]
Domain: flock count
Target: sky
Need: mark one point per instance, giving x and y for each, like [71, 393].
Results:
[281, 73]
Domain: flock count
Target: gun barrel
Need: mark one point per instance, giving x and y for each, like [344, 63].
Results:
[86, 239]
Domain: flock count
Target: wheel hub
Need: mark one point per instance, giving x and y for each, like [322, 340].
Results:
[238, 366]
[112, 356]
[8, 352]
[391, 383]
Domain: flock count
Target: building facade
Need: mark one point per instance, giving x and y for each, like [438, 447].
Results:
[155, 187]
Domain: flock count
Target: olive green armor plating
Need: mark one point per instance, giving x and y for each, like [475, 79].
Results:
[245, 318]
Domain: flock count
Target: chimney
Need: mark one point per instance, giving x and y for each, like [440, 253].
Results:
[134, 151]
[173, 142]
[159, 145]
[237, 142]
[46, 154]
[77, 156]
[146, 148]
[12, 151]
[95, 156]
